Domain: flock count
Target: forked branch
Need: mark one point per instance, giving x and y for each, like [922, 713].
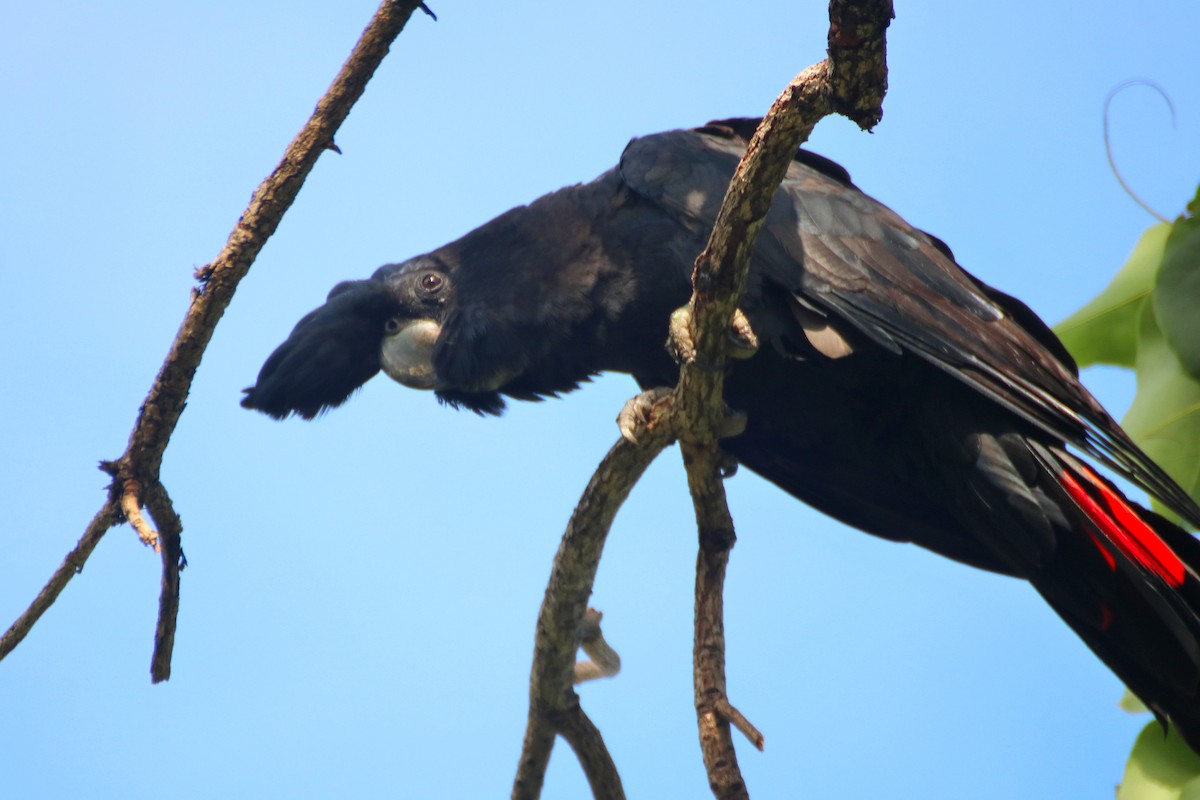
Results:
[135, 474]
[852, 81]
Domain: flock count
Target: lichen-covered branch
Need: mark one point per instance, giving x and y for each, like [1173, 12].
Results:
[708, 647]
[553, 704]
[171, 550]
[135, 474]
[853, 81]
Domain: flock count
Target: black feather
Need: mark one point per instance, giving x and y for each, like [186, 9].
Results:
[330, 353]
[944, 418]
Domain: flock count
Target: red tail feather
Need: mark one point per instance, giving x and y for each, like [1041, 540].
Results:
[1122, 526]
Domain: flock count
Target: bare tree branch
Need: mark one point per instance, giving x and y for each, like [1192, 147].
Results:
[170, 533]
[136, 473]
[108, 516]
[704, 335]
[858, 58]
[852, 82]
[584, 738]
[737, 720]
[553, 704]
[708, 648]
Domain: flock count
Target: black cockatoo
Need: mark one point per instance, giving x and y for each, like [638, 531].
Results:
[892, 391]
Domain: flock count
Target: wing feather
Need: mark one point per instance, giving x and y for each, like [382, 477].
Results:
[839, 249]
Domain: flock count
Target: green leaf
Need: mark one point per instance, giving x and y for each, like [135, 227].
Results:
[1161, 767]
[1132, 703]
[1165, 416]
[1105, 330]
[1177, 290]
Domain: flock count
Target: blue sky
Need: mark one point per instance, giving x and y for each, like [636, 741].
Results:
[358, 613]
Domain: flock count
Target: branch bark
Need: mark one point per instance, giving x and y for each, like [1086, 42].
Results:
[708, 648]
[553, 705]
[135, 474]
[852, 81]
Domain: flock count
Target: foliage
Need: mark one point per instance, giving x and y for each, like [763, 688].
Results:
[1161, 767]
[1148, 318]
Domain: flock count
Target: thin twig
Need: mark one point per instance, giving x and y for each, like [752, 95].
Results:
[171, 532]
[108, 516]
[708, 649]
[140, 465]
[739, 721]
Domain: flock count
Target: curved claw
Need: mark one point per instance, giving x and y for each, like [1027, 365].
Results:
[679, 340]
[635, 415]
[741, 343]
